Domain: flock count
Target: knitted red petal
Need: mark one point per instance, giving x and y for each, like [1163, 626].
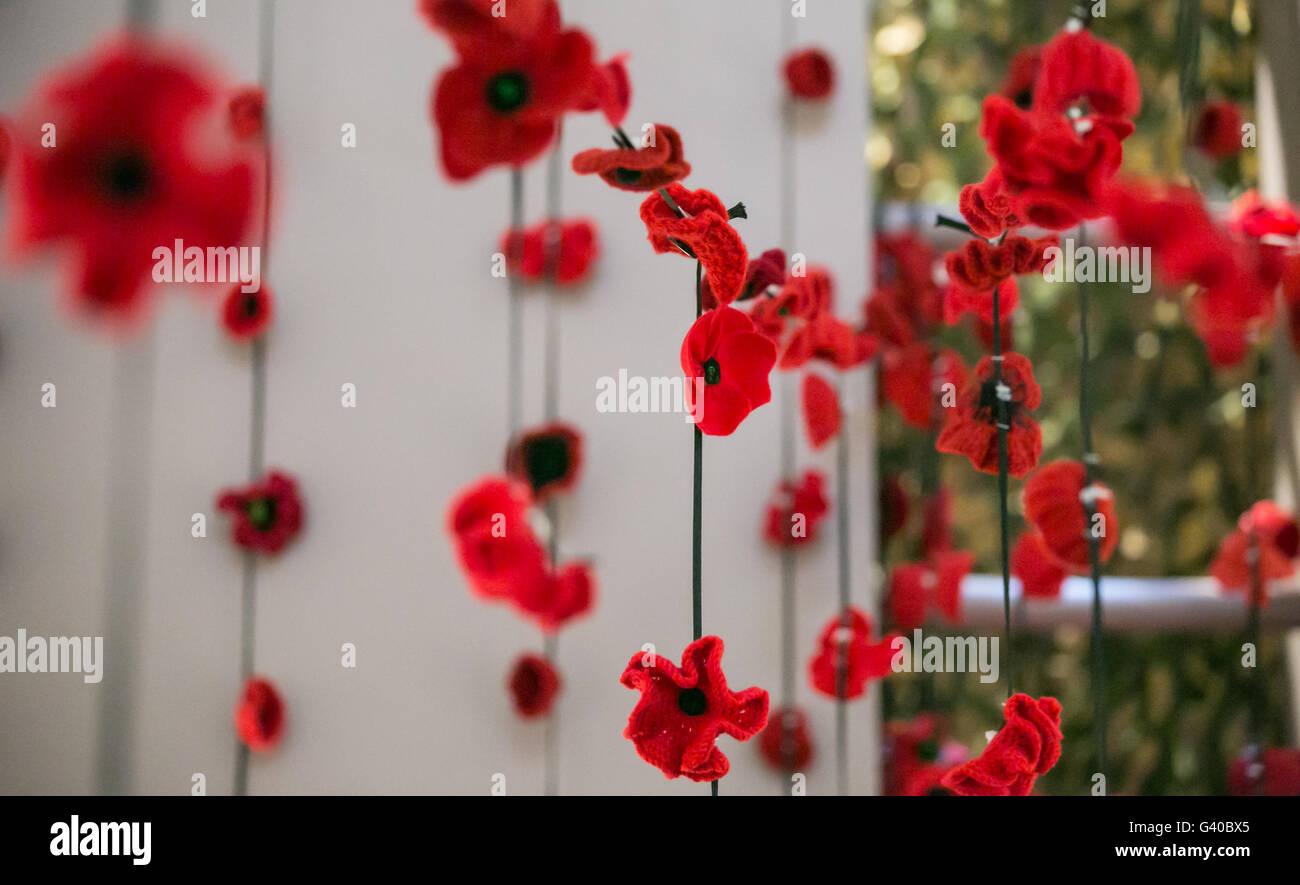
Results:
[786, 743]
[246, 315]
[247, 112]
[1275, 538]
[971, 429]
[526, 252]
[864, 659]
[534, 685]
[1077, 66]
[1040, 575]
[809, 74]
[1028, 745]
[644, 169]
[987, 207]
[1217, 130]
[821, 410]
[1052, 505]
[795, 511]
[267, 514]
[260, 715]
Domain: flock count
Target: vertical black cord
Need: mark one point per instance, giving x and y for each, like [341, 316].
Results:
[697, 592]
[1003, 425]
[846, 621]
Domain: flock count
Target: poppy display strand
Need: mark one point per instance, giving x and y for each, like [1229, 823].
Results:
[846, 622]
[1004, 424]
[514, 311]
[551, 394]
[697, 591]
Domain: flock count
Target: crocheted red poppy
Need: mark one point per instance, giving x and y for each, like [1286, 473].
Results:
[526, 252]
[1040, 574]
[1217, 130]
[260, 715]
[246, 315]
[917, 588]
[472, 26]
[733, 362]
[786, 743]
[1054, 506]
[1055, 168]
[827, 338]
[906, 260]
[1273, 772]
[534, 685]
[919, 754]
[764, 272]
[980, 266]
[958, 300]
[501, 103]
[1026, 747]
[987, 207]
[821, 410]
[647, 168]
[548, 458]
[558, 596]
[1077, 68]
[864, 660]
[247, 111]
[267, 514]
[913, 380]
[971, 429]
[704, 230]
[796, 510]
[810, 295]
[142, 160]
[1251, 216]
[1022, 76]
[611, 91]
[682, 711]
[1272, 532]
[809, 74]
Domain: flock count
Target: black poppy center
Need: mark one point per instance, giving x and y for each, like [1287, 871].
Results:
[988, 403]
[251, 306]
[1024, 98]
[546, 460]
[692, 702]
[712, 371]
[627, 176]
[507, 91]
[126, 176]
[261, 513]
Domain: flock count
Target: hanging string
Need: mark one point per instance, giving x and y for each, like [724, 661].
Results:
[846, 620]
[1003, 401]
[697, 592]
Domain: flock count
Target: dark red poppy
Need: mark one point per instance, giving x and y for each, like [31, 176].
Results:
[472, 25]
[705, 230]
[729, 362]
[958, 300]
[936, 528]
[267, 514]
[809, 73]
[796, 510]
[987, 206]
[1053, 500]
[1251, 216]
[821, 409]
[1026, 748]
[1040, 574]
[527, 253]
[501, 103]
[913, 380]
[1275, 771]
[260, 715]
[248, 112]
[534, 685]
[763, 273]
[1217, 130]
[682, 711]
[611, 91]
[971, 428]
[980, 266]
[1022, 77]
[786, 743]
[139, 162]
[548, 458]
[1078, 70]
[646, 168]
[1266, 531]
[917, 588]
[864, 659]
[893, 507]
[246, 315]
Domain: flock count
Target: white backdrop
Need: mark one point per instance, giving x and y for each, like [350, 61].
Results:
[381, 270]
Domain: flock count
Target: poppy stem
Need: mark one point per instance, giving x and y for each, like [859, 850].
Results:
[1004, 425]
[945, 221]
[697, 590]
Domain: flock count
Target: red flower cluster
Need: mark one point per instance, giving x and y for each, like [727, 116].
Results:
[657, 163]
[534, 685]
[919, 755]
[786, 742]
[267, 514]
[916, 588]
[547, 458]
[971, 429]
[260, 715]
[1265, 531]
[1054, 507]
[502, 558]
[809, 74]
[246, 315]
[727, 365]
[795, 511]
[527, 251]
[864, 659]
[682, 711]
[137, 163]
[1026, 747]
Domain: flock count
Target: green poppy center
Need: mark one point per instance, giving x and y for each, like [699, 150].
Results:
[712, 371]
[546, 460]
[692, 702]
[261, 513]
[507, 91]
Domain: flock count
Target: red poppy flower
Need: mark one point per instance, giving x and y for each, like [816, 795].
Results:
[647, 168]
[905, 260]
[958, 300]
[558, 596]
[916, 588]
[704, 230]
[987, 207]
[1022, 77]
[786, 743]
[1272, 772]
[1273, 533]
[809, 74]
[1077, 67]
[611, 91]
[501, 103]
[1217, 130]
[980, 266]
[919, 754]
[912, 378]
[809, 295]
[864, 660]
[1026, 747]
[828, 338]
[1253, 217]
[764, 272]
[1040, 574]
[971, 429]
[733, 361]
[248, 112]
[267, 514]
[682, 711]
[246, 315]
[1054, 506]
[526, 252]
[137, 164]
[893, 507]
[796, 510]
[547, 458]
[259, 716]
[534, 685]
[472, 26]
[936, 528]
[821, 410]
